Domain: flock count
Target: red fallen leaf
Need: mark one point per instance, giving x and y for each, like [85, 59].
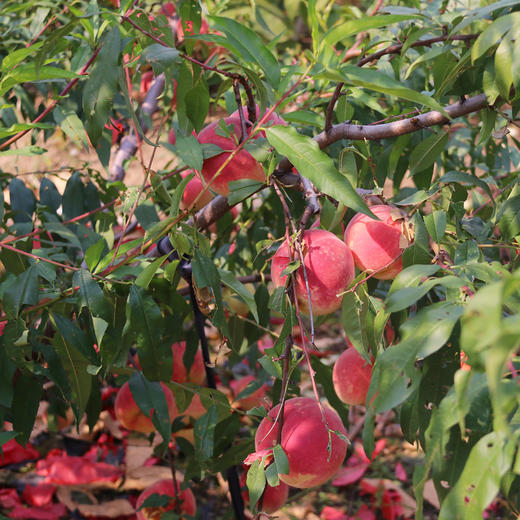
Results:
[14, 453]
[390, 498]
[265, 455]
[38, 495]
[400, 472]
[65, 470]
[349, 474]
[360, 452]
[47, 512]
[333, 513]
[8, 498]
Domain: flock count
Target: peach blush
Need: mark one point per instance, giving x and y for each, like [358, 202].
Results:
[351, 377]
[130, 415]
[330, 270]
[197, 373]
[314, 451]
[377, 246]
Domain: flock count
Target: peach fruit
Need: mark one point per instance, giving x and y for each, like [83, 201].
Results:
[197, 373]
[130, 415]
[257, 398]
[242, 166]
[185, 498]
[330, 270]
[377, 246]
[314, 451]
[191, 192]
[273, 497]
[351, 377]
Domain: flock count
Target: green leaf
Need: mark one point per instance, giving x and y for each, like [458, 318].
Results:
[23, 202]
[504, 67]
[380, 82]
[427, 152]
[204, 430]
[27, 73]
[26, 151]
[6, 437]
[18, 56]
[161, 58]
[508, 218]
[71, 125]
[436, 224]
[311, 9]
[24, 292]
[151, 400]
[75, 366]
[91, 295]
[146, 275]
[256, 481]
[49, 194]
[196, 101]
[229, 279]
[27, 393]
[479, 482]
[354, 27]
[306, 156]
[99, 90]
[493, 33]
[189, 150]
[73, 335]
[250, 46]
[281, 460]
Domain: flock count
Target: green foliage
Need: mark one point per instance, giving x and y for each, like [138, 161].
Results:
[78, 303]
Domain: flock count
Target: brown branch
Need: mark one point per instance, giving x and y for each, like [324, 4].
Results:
[386, 130]
[396, 49]
[50, 108]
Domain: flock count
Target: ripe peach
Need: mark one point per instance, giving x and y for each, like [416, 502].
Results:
[242, 166]
[273, 497]
[257, 398]
[130, 415]
[330, 270]
[191, 192]
[377, 245]
[185, 498]
[197, 372]
[195, 410]
[314, 451]
[273, 119]
[351, 377]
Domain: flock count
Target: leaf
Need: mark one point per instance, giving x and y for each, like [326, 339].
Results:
[75, 366]
[354, 27]
[99, 90]
[49, 194]
[256, 481]
[73, 196]
[197, 104]
[91, 295]
[151, 400]
[281, 460]
[23, 201]
[466, 253]
[73, 335]
[508, 217]
[228, 279]
[18, 56]
[26, 151]
[479, 482]
[146, 275]
[71, 125]
[427, 152]
[27, 393]
[161, 58]
[436, 224]
[189, 150]
[493, 33]
[204, 430]
[250, 46]
[306, 156]
[380, 82]
[504, 67]
[24, 292]
[311, 10]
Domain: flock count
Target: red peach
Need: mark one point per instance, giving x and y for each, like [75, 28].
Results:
[330, 270]
[130, 415]
[273, 497]
[314, 451]
[273, 119]
[195, 410]
[377, 246]
[242, 166]
[197, 372]
[351, 377]
[191, 192]
[257, 398]
[166, 487]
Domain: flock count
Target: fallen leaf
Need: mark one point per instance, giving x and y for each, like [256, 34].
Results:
[13, 453]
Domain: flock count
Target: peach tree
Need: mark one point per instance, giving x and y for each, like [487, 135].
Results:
[254, 128]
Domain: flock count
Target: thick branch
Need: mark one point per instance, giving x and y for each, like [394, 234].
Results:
[386, 130]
